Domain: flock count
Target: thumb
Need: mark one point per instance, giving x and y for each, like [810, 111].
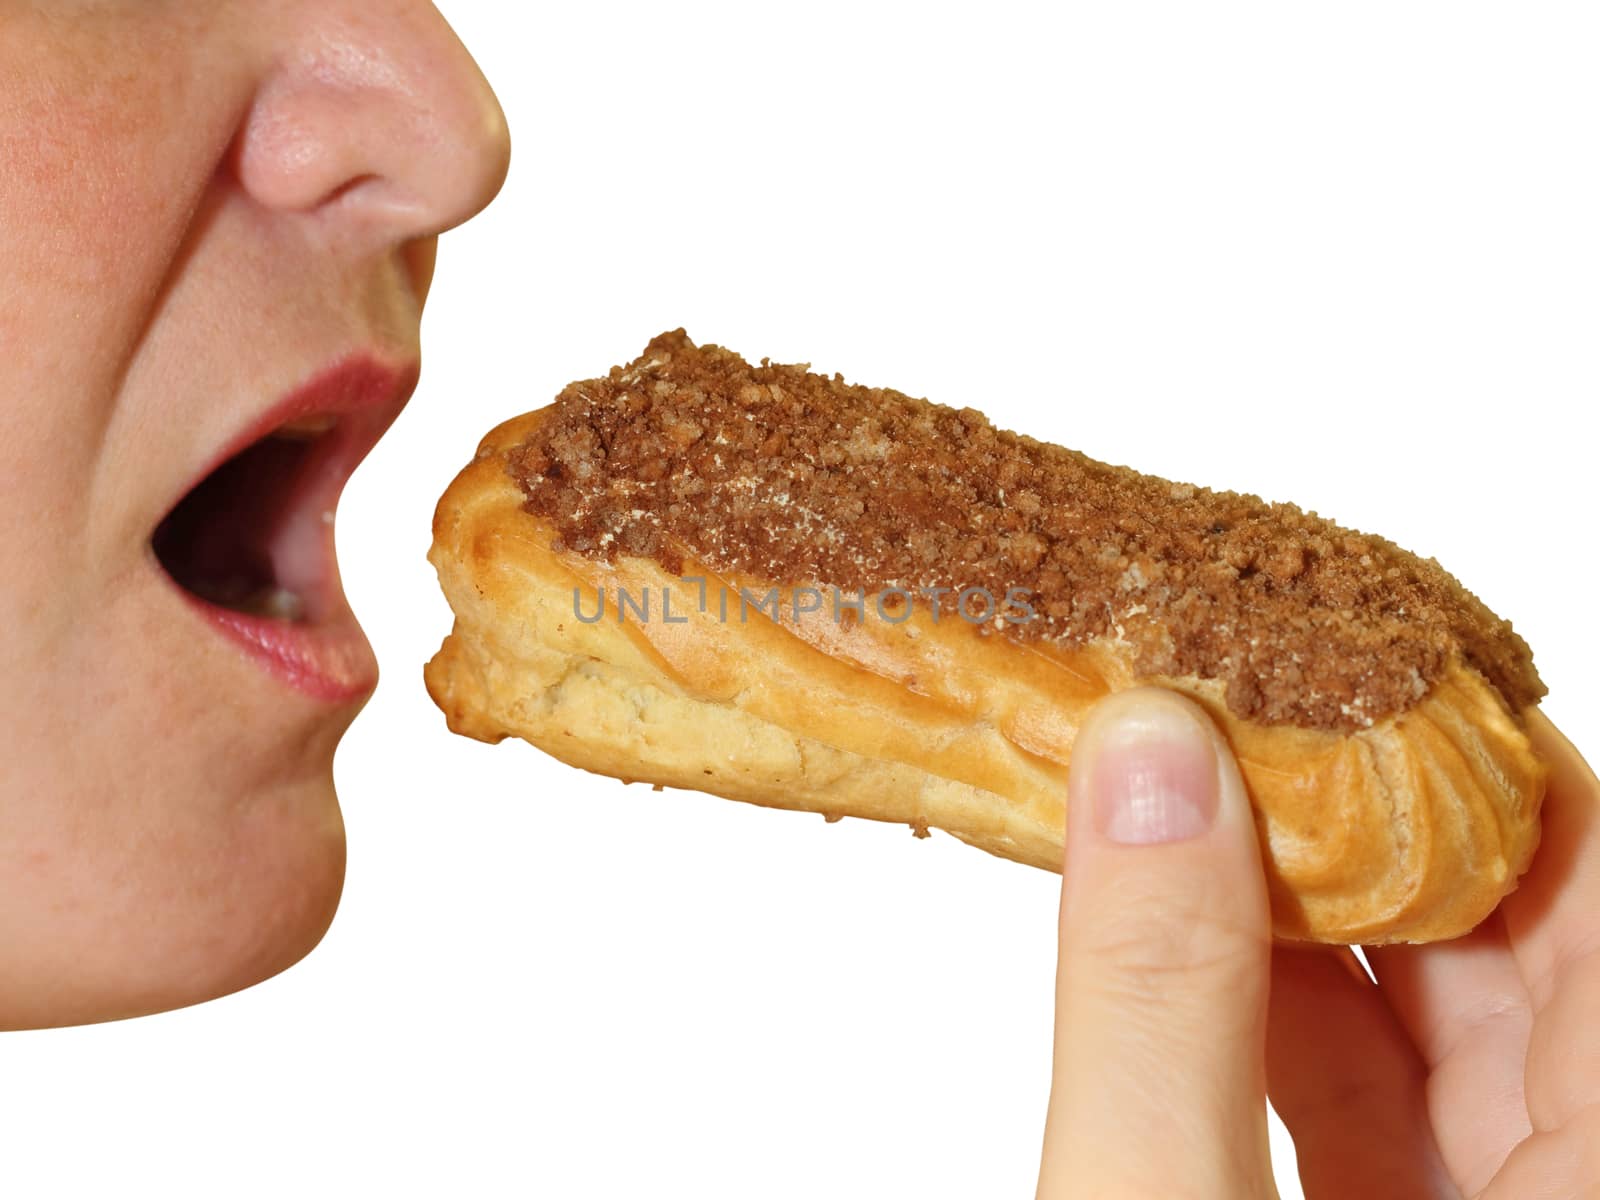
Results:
[1159, 1084]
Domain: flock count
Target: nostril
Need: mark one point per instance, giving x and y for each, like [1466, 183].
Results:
[358, 183]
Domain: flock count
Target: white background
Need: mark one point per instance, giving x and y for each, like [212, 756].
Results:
[1345, 255]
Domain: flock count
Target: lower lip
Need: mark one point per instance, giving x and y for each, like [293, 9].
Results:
[330, 661]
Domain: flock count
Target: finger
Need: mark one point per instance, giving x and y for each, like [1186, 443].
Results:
[1465, 1007]
[1348, 1083]
[1551, 917]
[1563, 1071]
[1159, 1081]
[1563, 1164]
[1553, 921]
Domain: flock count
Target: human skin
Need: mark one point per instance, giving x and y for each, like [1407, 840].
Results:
[1470, 1068]
[202, 204]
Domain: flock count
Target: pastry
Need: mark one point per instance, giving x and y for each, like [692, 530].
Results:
[770, 585]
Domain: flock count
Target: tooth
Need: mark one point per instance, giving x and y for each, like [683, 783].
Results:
[276, 602]
[306, 428]
[228, 591]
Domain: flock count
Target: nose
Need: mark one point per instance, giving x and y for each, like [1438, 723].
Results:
[375, 113]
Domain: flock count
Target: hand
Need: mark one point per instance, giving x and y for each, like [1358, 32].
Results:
[1470, 1069]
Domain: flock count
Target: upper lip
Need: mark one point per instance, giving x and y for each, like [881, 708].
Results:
[363, 390]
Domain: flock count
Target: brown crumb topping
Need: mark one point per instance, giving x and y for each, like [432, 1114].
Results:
[787, 476]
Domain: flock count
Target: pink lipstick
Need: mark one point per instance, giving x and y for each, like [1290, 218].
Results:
[251, 545]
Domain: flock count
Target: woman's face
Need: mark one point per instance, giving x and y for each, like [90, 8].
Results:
[216, 221]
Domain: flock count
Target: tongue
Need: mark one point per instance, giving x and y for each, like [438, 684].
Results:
[218, 543]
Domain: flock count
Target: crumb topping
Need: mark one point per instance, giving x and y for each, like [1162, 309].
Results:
[794, 477]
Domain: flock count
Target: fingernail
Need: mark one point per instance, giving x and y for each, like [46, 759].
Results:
[1153, 776]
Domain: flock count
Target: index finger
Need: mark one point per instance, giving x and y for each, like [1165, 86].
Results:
[1553, 918]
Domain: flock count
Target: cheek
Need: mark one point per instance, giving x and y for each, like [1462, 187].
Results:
[166, 896]
[113, 123]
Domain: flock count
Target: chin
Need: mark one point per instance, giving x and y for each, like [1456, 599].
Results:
[200, 911]
[274, 886]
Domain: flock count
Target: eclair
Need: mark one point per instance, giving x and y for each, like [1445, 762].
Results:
[771, 585]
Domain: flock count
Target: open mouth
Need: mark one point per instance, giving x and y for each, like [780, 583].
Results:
[255, 535]
[250, 544]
